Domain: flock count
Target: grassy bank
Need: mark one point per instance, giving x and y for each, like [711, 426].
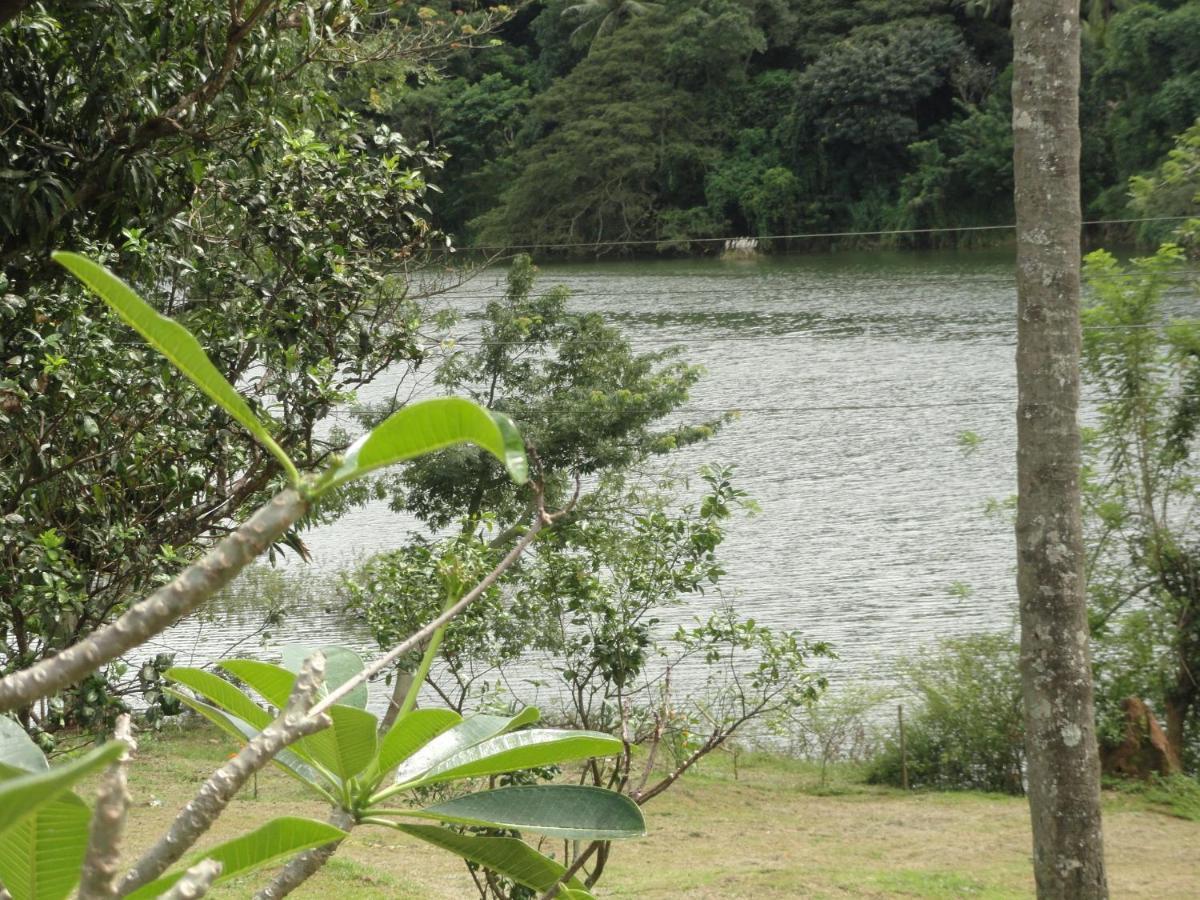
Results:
[771, 830]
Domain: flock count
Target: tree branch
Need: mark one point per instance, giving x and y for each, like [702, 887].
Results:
[99, 878]
[296, 721]
[195, 881]
[161, 609]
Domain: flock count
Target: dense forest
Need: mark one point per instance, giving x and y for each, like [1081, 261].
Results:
[667, 122]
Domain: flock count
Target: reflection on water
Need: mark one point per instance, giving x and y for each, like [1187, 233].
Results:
[855, 373]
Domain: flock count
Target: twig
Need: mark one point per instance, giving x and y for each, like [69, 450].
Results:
[296, 721]
[98, 880]
[161, 609]
[195, 881]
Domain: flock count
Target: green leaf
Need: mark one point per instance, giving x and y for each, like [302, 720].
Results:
[520, 750]
[41, 855]
[571, 811]
[277, 839]
[570, 894]
[341, 664]
[411, 733]
[466, 734]
[430, 425]
[348, 746]
[17, 749]
[273, 683]
[23, 795]
[174, 342]
[243, 732]
[508, 856]
[220, 692]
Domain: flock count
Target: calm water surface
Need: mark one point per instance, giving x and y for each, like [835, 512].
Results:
[855, 375]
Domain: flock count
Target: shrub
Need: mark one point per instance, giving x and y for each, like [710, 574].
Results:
[965, 730]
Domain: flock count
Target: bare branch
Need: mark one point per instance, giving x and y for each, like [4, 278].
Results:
[98, 880]
[296, 721]
[161, 609]
[195, 881]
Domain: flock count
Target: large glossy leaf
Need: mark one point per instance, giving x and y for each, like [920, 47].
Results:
[40, 856]
[520, 750]
[174, 342]
[273, 683]
[341, 664]
[277, 839]
[17, 749]
[346, 747]
[467, 733]
[508, 856]
[24, 794]
[430, 425]
[220, 692]
[412, 732]
[572, 811]
[242, 731]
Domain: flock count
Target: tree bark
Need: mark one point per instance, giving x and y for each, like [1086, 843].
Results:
[1063, 767]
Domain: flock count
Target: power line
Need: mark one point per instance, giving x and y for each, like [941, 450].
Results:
[888, 232]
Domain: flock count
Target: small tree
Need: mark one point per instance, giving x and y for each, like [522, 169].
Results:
[316, 730]
[589, 604]
[1141, 488]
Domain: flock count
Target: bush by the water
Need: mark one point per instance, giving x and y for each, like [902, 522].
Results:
[964, 729]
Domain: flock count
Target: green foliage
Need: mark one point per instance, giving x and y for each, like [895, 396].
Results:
[23, 793]
[588, 601]
[1139, 492]
[275, 841]
[1173, 190]
[581, 396]
[621, 121]
[361, 774]
[40, 857]
[1179, 794]
[518, 807]
[1146, 72]
[431, 425]
[237, 193]
[511, 857]
[965, 731]
[43, 825]
[176, 343]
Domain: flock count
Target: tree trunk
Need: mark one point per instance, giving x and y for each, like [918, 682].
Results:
[1063, 767]
[1179, 703]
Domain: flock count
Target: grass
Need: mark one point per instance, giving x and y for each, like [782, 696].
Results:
[772, 829]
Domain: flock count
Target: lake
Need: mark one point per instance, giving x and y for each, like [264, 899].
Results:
[856, 375]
